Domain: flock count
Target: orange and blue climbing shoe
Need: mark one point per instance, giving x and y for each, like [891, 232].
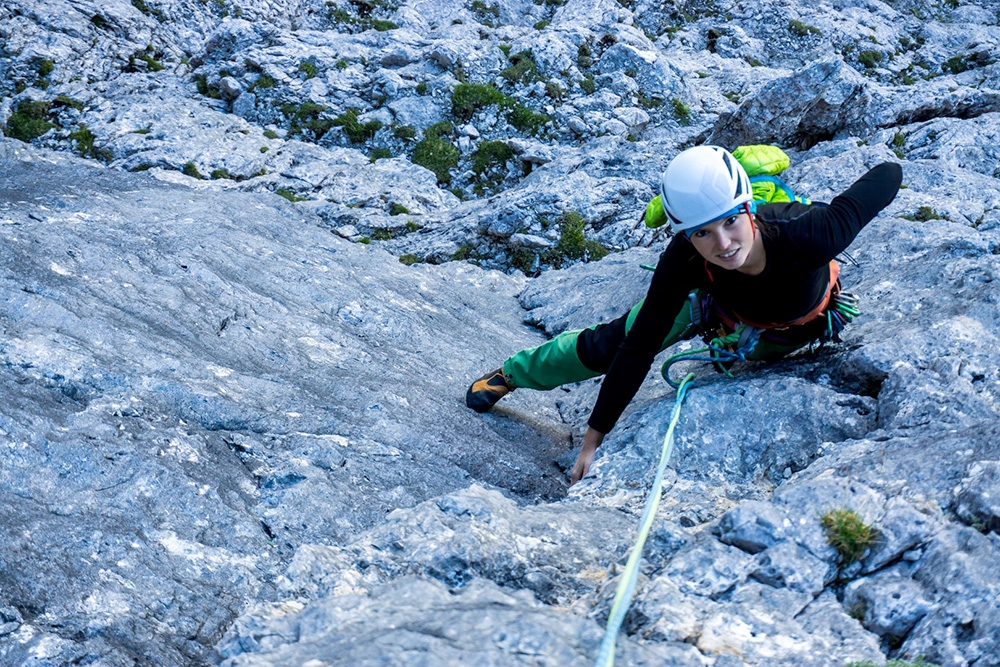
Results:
[484, 393]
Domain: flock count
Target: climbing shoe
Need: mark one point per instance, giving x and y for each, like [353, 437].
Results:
[484, 393]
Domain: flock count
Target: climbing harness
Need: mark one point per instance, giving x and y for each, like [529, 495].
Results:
[731, 338]
[627, 582]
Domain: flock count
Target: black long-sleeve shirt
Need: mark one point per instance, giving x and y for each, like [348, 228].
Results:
[804, 241]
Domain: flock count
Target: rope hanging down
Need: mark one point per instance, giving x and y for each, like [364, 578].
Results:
[626, 585]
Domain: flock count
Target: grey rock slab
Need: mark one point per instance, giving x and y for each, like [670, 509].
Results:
[556, 551]
[584, 295]
[814, 104]
[977, 498]
[958, 574]
[415, 621]
[790, 565]
[890, 603]
[753, 526]
[198, 381]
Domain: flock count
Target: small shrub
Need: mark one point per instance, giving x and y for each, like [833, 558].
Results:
[898, 143]
[583, 56]
[436, 153]
[356, 131]
[220, 173]
[84, 139]
[308, 68]
[801, 29]
[924, 214]
[398, 209]
[587, 84]
[682, 112]
[263, 81]
[383, 26]
[264, 149]
[405, 132]
[306, 117]
[44, 67]
[541, 25]
[409, 259]
[289, 195]
[67, 101]
[149, 11]
[29, 121]
[271, 134]
[467, 98]
[523, 69]
[649, 102]
[959, 64]
[847, 533]
[490, 156]
[380, 153]
[488, 15]
[554, 91]
[573, 244]
[526, 120]
[341, 64]
[99, 21]
[870, 59]
[421, 88]
[189, 169]
[201, 82]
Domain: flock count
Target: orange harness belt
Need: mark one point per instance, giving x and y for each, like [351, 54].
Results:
[832, 287]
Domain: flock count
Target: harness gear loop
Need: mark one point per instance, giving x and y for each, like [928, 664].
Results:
[733, 338]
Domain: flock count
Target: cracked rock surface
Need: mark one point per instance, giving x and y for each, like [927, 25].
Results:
[252, 253]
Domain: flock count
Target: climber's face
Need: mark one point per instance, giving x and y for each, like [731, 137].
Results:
[728, 243]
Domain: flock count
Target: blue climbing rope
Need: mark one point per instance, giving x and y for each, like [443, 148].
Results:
[627, 583]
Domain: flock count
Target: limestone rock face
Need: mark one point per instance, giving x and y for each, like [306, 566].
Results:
[253, 254]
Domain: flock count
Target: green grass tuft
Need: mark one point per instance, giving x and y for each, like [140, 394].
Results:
[189, 169]
[356, 131]
[847, 533]
[308, 68]
[682, 112]
[29, 120]
[437, 153]
[289, 195]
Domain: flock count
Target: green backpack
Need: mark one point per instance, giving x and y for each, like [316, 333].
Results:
[762, 163]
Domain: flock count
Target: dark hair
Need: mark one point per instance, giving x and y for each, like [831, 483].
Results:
[767, 229]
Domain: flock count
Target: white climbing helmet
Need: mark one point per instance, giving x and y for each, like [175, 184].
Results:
[701, 185]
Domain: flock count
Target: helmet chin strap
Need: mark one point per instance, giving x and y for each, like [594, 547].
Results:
[753, 225]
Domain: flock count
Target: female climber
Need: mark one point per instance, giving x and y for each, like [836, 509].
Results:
[766, 269]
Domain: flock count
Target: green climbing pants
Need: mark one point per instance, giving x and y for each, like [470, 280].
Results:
[578, 355]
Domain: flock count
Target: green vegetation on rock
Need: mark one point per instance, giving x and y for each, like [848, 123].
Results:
[289, 195]
[29, 120]
[801, 29]
[308, 68]
[356, 131]
[523, 69]
[682, 112]
[436, 153]
[848, 533]
[306, 118]
[468, 98]
[189, 169]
